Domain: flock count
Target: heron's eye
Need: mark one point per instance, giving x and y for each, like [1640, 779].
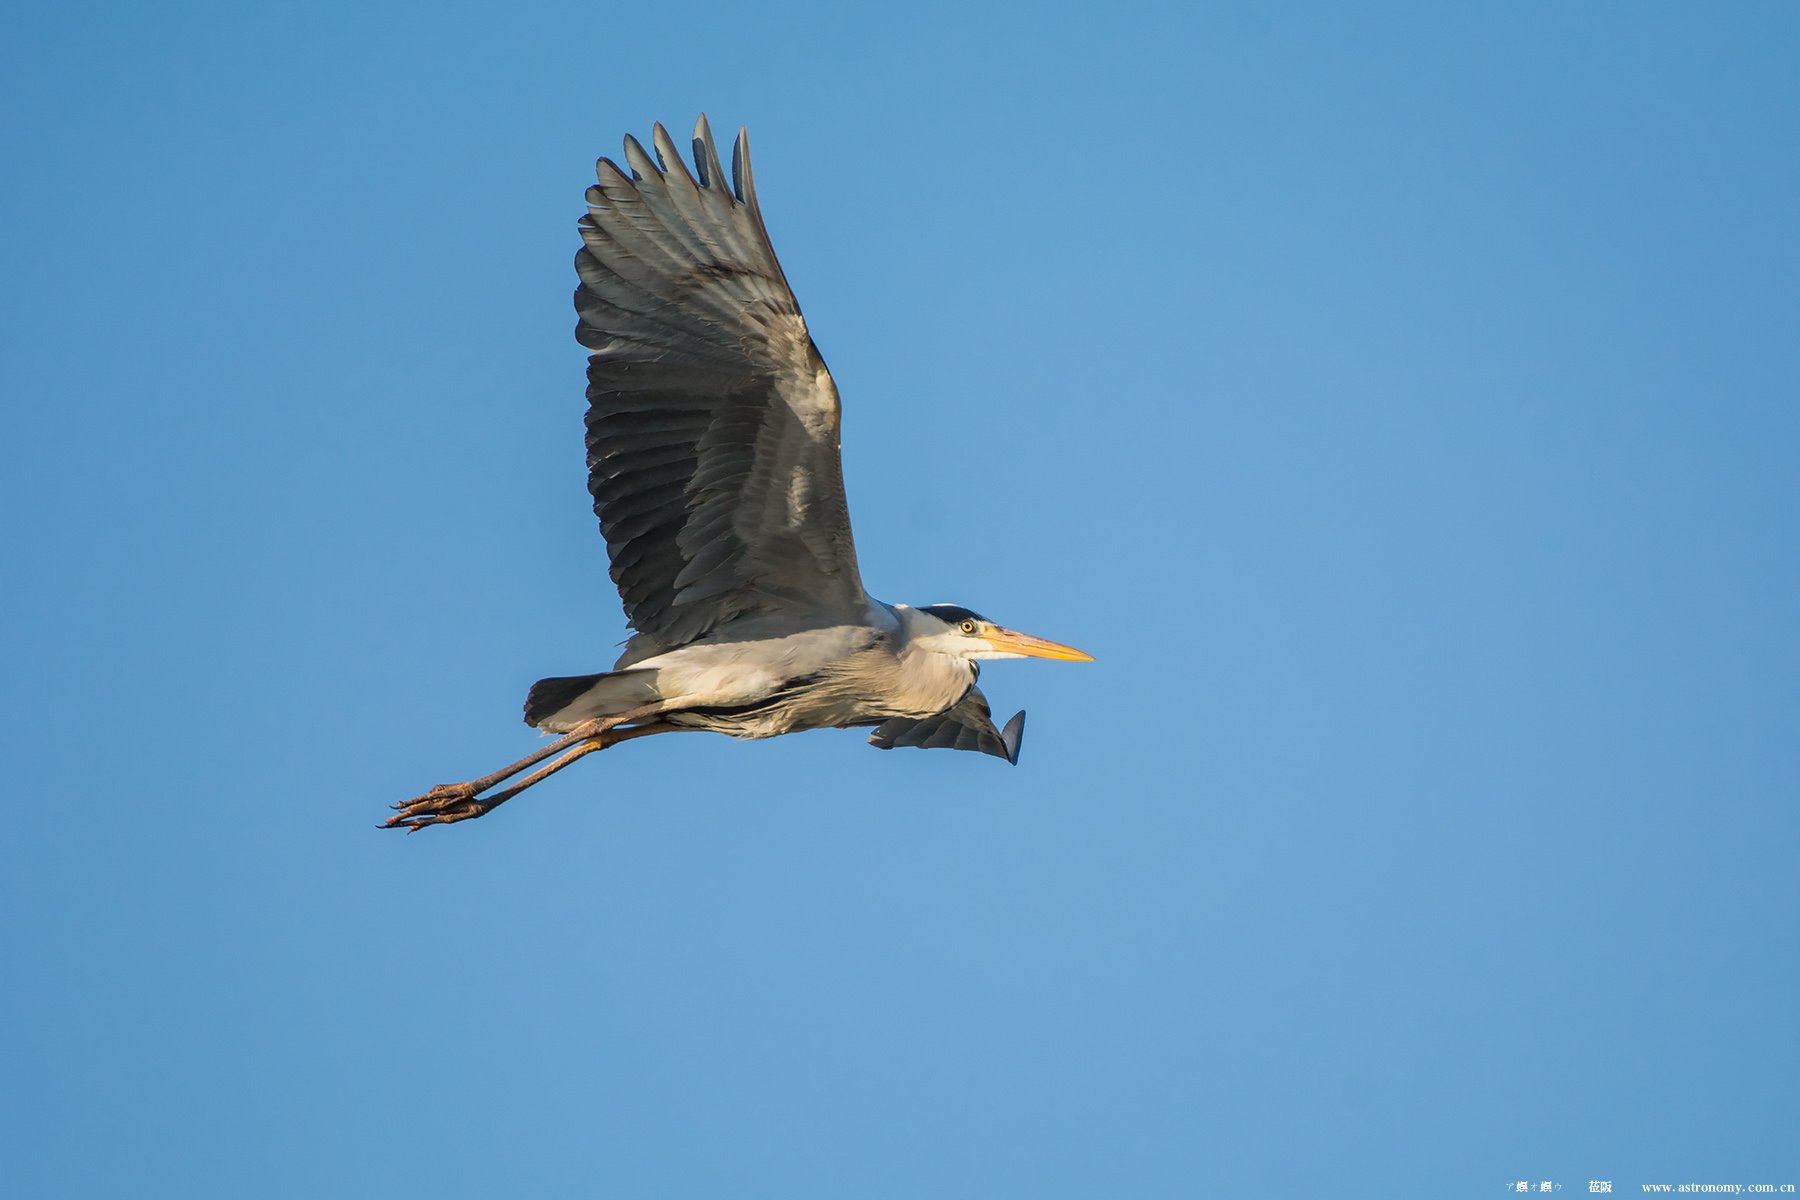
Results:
[968, 627]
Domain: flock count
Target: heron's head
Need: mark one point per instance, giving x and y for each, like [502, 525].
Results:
[954, 630]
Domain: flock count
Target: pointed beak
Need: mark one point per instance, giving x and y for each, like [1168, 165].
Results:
[1013, 642]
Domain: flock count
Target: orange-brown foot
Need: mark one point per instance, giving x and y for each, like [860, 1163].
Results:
[442, 805]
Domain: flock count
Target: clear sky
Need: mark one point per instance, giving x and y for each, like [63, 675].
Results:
[1402, 405]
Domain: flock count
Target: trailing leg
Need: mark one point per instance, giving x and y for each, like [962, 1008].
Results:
[451, 802]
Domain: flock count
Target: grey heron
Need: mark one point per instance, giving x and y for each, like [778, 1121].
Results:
[712, 453]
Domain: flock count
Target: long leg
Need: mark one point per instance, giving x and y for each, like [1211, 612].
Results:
[449, 792]
[460, 798]
[417, 814]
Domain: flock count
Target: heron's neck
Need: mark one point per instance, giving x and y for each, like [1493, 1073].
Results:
[927, 678]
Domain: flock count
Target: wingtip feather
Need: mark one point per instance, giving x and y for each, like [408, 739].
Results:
[610, 174]
[706, 155]
[743, 181]
[641, 166]
[667, 156]
[1013, 737]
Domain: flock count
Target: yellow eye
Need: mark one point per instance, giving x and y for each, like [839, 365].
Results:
[968, 627]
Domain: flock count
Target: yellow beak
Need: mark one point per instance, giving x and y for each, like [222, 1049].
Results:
[1013, 642]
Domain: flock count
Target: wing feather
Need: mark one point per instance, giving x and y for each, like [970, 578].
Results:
[966, 725]
[712, 425]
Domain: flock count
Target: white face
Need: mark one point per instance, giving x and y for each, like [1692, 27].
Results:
[972, 637]
[964, 639]
[932, 633]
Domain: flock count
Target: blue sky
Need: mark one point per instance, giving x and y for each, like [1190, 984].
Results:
[1400, 403]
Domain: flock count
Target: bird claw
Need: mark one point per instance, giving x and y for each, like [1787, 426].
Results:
[442, 805]
[450, 802]
[443, 792]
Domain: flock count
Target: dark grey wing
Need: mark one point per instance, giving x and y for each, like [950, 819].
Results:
[966, 726]
[712, 425]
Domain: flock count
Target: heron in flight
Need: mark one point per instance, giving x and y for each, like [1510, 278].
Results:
[712, 452]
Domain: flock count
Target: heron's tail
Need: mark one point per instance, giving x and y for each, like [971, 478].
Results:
[559, 705]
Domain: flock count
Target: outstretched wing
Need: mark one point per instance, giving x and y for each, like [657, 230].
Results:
[712, 425]
[966, 726]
